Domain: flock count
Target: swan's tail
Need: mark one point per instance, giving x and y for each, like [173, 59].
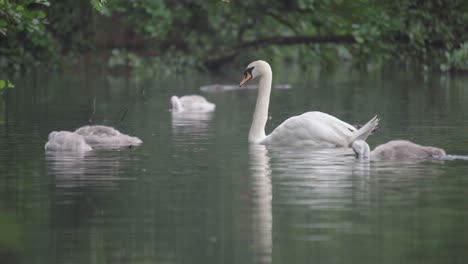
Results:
[364, 131]
[176, 105]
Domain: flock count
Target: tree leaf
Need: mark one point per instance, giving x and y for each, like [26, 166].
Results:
[41, 14]
[6, 84]
[43, 2]
[359, 39]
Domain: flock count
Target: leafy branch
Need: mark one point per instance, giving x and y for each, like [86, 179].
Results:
[5, 84]
[99, 5]
[221, 57]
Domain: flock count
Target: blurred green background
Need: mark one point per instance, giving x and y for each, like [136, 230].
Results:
[166, 36]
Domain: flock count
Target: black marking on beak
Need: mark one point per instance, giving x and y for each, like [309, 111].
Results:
[247, 76]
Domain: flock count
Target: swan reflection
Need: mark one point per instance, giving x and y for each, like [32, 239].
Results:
[262, 197]
[101, 169]
[317, 192]
[191, 124]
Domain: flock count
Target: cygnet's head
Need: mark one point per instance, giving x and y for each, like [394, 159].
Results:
[254, 70]
[436, 152]
[361, 149]
[53, 134]
[176, 105]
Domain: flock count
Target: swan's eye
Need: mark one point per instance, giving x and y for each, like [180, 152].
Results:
[248, 71]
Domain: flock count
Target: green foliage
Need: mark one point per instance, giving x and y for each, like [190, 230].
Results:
[24, 39]
[74, 32]
[209, 34]
[151, 18]
[99, 5]
[457, 59]
[415, 31]
[214, 33]
[17, 16]
[124, 58]
[4, 84]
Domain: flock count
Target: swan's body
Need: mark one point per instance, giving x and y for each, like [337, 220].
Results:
[191, 103]
[396, 150]
[104, 136]
[311, 128]
[66, 141]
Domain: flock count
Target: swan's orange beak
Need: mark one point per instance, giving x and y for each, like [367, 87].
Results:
[247, 77]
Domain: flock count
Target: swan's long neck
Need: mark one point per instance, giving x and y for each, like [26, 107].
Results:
[260, 116]
[365, 154]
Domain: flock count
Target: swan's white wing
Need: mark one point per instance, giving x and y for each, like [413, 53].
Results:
[313, 129]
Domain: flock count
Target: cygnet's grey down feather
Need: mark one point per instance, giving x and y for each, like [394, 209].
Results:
[104, 136]
[396, 150]
[66, 141]
[83, 138]
[403, 149]
[191, 103]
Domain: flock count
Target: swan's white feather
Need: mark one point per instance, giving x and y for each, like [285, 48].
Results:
[313, 129]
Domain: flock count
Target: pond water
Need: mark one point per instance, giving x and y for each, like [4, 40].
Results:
[197, 192]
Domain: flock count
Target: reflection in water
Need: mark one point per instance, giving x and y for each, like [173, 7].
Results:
[322, 184]
[91, 169]
[82, 185]
[453, 157]
[191, 124]
[317, 178]
[198, 207]
[262, 197]
[328, 199]
[214, 88]
[332, 178]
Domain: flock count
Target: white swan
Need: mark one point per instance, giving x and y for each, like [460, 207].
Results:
[311, 128]
[396, 150]
[66, 141]
[104, 136]
[192, 103]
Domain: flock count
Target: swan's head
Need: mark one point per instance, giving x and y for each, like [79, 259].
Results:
[361, 149]
[254, 70]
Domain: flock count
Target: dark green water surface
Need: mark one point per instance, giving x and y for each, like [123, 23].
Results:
[197, 192]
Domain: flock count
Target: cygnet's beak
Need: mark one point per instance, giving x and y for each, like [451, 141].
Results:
[247, 77]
